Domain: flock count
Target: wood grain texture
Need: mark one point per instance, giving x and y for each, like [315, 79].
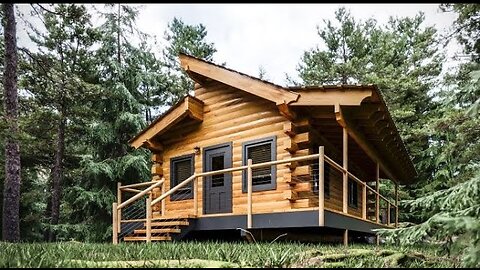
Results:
[230, 115]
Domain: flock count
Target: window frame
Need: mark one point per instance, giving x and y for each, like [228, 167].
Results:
[176, 196]
[352, 203]
[272, 140]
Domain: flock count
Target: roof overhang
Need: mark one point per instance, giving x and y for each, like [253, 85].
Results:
[362, 110]
[188, 107]
[269, 91]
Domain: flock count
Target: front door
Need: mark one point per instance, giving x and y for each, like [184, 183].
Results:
[217, 195]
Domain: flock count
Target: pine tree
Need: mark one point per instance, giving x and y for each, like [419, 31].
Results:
[183, 38]
[59, 81]
[11, 192]
[401, 58]
[117, 117]
[450, 209]
[346, 57]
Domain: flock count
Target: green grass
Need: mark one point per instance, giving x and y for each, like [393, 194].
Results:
[215, 254]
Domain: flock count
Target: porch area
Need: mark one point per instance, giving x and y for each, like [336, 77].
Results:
[138, 215]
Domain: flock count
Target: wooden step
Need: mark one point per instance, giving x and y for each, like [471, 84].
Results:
[168, 230]
[143, 238]
[158, 216]
[170, 223]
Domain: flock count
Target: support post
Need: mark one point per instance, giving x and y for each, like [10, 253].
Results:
[115, 223]
[388, 213]
[249, 190]
[119, 201]
[345, 167]
[345, 238]
[321, 189]
[163, 201]
[377, 189]
[149, 219]
[364, 200]
[396, 205]
[195, 196]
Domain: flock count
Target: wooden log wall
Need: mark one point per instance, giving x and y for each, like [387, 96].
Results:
[230, 115]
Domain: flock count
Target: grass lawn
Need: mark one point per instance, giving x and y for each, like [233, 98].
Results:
[215, 254]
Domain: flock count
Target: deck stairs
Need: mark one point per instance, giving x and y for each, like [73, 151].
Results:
[162, 229]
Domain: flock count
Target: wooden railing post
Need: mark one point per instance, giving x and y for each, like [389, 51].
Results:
[321, 183]
[345, 169]
[195, 196]
[396, 205]
[388, 213]
[119, 201]
[163, 201]
[115, 223]
[364, 200]
[249, 191]
[148, 210]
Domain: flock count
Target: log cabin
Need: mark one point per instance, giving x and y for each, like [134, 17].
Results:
[241, 156]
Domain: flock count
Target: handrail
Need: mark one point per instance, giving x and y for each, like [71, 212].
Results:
[139, 195]
[340, 168]
[254, 166]
[154, 184]
[177, 187]
[334, 164]
[138, 184]
[131, 190]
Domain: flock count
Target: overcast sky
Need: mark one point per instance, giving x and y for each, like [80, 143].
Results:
[273, 36]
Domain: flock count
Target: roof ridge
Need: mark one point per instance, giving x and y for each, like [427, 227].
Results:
[241, 73]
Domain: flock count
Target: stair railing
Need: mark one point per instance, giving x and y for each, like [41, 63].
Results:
[136, 215]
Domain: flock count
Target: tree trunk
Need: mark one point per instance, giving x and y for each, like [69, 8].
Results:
[57, 175]
[118, 37]
[11, 192]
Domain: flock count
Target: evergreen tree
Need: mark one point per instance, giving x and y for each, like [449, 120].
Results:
[344, 61]
[401, 57]
[11, 191]
[59, 80]
[117, 117]
[451, 211]
[189, 39]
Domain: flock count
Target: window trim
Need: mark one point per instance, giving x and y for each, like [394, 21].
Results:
[175, 196]
[350, 203]
[245, 145]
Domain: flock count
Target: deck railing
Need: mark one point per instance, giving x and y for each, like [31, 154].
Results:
[146, 193]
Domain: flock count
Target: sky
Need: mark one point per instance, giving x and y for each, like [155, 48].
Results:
[272, 36]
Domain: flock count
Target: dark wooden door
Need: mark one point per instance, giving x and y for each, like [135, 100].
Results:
[217, 188]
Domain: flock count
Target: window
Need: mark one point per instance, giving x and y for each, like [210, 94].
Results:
[260, 151]
[181, 168]
[326, 178]
[352, 193]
